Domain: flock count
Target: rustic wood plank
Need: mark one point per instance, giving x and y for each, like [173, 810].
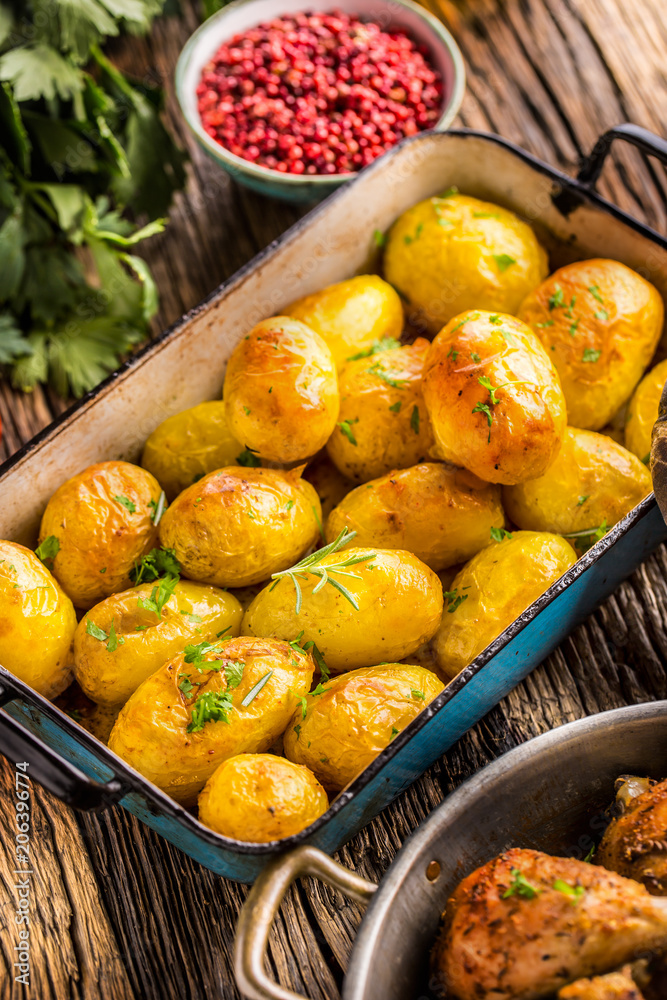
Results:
[117, 911]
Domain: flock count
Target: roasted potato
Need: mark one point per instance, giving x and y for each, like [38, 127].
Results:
[190, 444]
[212, 702]
[259, 797]
[349, 720]
[494, 588]
[452, 253]
[237, 526]
[330, 485]
[351, 315]
[148, 625]
[383, 584]
[37, 622]
[441, 514]
[281, 391]
[643, 412]
[101, 523]
[592, 482]
[494, 398]
[601, 323]
[383, 423]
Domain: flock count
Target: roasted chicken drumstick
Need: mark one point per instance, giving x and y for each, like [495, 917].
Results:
[526, 924]
[635, 844]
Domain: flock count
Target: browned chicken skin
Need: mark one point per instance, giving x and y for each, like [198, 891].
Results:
[615, 986]
[525, 924]
[635, 844]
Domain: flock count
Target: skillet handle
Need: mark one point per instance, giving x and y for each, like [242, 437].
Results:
[263, 903]
[46, 767]
[647, 142]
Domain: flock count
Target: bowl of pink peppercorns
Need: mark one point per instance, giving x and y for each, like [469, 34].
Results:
[293, 101]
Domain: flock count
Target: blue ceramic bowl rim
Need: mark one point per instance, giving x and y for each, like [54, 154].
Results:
[236, 164]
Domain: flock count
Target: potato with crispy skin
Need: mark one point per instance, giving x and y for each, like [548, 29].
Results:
[351, 315]
[213, 701]
[189, 445]
[388, 604]
[350, 719]
[494, 399]
[601, 322]
[260, 797]
[37, 622]
[451, 253]
[634, 843]
[383, 423]
[149, 624]
[281, 391]
[102, 520]
[443, 515]
[494, 588]
[643, 412]
[592, 482]
[237, 526]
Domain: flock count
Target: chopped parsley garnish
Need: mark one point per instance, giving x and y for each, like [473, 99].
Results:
[254, 691]
[185, 685]
[462, 321]
[452, 354]
[395, 383]
[319, 690]
[589, 536]
[418, 695]
[304, 705]
[195, 653]
[248, 458]
[475, 357]
[379, 238]
[503, 261]
[158, 507]
[575, 892]
[394, 732]
[126, 503]
[454, 599]
[112, 641]
[484, 408]
[289, 505]
[589, 856]
[547, 322]
[395, 407]
[557, 299]
[449, 192]
[377, 347]
[48, 550]
[590, 354]
[414, 419]
[583, 499]
[410, 239]
[190, 616]
[158, 562]
[212, 706]
[500, 534]
[595, 292]
[346, 430]
[234, 673]
[485, 215]
[246, 410]
[495, 319]
[573, 327]
[160, 594]
[297, 730]
[520, 886]
[573, 302]
[602, 315]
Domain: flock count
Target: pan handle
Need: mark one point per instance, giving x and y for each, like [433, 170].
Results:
[47, 768]
[263, 903]
[647, 142]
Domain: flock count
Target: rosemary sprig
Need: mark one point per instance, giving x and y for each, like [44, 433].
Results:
[311, 564]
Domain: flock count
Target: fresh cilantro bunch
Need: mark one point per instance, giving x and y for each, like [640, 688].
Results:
[83, 154]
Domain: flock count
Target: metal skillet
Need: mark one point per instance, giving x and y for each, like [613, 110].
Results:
[549, 794]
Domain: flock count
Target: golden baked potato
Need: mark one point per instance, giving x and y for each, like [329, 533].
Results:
[211, 702]
[350, 719]
[126, 638]
[398, 606]
[494, 398]
[281, 391]
[452, 253]
[593, 482]
[37, 622]
[237, 526]
[190, 444]
[101, 522]
[383, 423]
[259, 797]
[330, 485]
[601, 323]
[643, 412]
[494, 588]
[351, 315]
[443, 515]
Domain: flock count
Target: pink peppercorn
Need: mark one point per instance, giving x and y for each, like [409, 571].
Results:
[317, 93]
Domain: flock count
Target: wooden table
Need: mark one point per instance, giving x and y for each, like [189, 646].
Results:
[118, 913]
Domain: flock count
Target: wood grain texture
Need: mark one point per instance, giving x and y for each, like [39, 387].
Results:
[119, 913]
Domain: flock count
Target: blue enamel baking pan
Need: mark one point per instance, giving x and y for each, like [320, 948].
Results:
[185, 365]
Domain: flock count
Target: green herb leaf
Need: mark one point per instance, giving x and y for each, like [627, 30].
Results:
[396, 407]
[575, 892]
[418, 695]
[503, 261]
[48, 550]
[346, 429]
[195, 653]
[602, 315]
[190, 616]
[127, 503]
[595, 292]
[484, 408]
[557, 299]
[395, 383]
[158, 508]
[159, 595]
[185, 685]
[519, 886]
[248, 458]
[212, 706]
[252, 694]
[414, 419]
[452, 354]
[158, 562]
[582, 499]
[234, 673]
[377, 347]
[590, 355]
[312, 565]
[500, 534]
[379, 238]
[114, 642]
[95, 631]
[453, 599]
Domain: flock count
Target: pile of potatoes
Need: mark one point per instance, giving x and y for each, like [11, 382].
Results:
[295, 571]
